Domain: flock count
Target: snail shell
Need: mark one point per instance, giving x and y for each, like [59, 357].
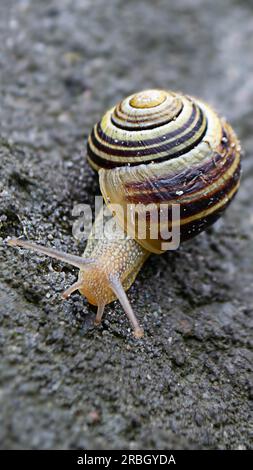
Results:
[160, 147]
[154, 148]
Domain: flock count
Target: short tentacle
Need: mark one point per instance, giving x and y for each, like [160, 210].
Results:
[71, 289]
[99, 315]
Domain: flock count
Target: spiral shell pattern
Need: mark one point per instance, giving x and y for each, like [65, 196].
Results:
[160, 147]
[150, 126]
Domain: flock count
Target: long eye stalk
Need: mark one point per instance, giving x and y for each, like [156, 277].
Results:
[66, 257]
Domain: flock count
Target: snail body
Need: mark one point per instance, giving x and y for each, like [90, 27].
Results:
[155, 148]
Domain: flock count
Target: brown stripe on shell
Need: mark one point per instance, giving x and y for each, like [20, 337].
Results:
[144, 115]
[100, 162]
[190, 181]
[142, 120]
[149, 142]
[141, 126]
[190, 230]
[191, 208]
[145, 152]
[211, 199]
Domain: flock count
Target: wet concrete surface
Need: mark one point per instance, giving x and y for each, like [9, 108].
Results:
[64, 384]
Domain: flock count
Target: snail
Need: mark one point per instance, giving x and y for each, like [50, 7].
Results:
[155, 147]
